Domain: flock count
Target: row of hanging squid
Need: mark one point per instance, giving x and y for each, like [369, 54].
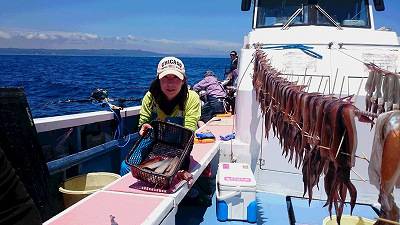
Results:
[383, 90]
[317, 131]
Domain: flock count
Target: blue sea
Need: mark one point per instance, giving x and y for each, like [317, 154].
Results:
[50, 80]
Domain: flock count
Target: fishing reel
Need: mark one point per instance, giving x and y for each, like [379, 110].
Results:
[99, 95]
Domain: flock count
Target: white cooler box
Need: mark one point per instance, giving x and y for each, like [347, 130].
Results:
[236, 193]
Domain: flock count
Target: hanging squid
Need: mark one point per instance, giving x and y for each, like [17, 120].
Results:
[312, 128]
[382, 90]
[384, 167]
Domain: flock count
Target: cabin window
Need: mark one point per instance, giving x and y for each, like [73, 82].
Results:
[346, 13]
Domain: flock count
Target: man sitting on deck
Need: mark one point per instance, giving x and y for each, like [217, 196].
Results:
[215, 96]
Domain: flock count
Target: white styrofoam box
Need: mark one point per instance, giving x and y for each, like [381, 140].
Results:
[236, 192]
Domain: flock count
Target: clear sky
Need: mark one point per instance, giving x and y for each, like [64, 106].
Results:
[174, 26]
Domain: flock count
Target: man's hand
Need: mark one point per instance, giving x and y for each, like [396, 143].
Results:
[144, 128]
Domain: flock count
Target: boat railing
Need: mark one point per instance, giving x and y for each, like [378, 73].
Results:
[74, 120]
[68, 134]
[311, 80]
[348, 84]
[62, 164]
[86, 140]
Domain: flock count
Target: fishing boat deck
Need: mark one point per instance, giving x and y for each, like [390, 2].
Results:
[273, 210]
[104, 207]
[125, 202]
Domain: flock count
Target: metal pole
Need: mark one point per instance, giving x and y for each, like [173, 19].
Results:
[359, 88]
[309, 83]
[334, 82]
[320, 82]
[341, 88]
[304, 77]
[325, 86]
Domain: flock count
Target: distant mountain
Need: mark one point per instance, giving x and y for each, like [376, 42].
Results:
[79, 52]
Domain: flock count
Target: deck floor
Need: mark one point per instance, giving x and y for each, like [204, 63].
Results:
[272, 210]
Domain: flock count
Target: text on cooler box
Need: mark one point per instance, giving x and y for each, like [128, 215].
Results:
[237, 179]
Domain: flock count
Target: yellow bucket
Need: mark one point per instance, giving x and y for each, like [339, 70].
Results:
[348, 220]
[77, 188]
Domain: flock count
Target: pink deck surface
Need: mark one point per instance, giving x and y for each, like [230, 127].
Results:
[132, 185]
[101, 208]
[118, 204]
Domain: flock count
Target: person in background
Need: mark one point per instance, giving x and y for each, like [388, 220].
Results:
[230, 81]
[169, 99]
[232, 73]
[234, 60]
[16, 206]
[215, 96]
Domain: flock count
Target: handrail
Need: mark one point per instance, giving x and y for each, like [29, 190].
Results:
[69, 161]
[74, 120]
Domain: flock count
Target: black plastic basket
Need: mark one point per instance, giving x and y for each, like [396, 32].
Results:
[164, 140]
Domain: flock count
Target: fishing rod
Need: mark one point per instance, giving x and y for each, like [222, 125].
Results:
[100, 96]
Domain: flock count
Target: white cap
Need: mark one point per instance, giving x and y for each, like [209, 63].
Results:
[171, 65]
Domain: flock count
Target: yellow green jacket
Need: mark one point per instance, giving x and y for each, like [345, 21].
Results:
[189, 116]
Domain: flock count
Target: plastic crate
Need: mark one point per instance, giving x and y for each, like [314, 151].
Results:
[166, 140]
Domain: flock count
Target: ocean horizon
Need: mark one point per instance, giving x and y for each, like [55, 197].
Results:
[49, 80]
[99, 52]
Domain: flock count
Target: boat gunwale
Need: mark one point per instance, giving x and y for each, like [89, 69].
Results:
[73, 120]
